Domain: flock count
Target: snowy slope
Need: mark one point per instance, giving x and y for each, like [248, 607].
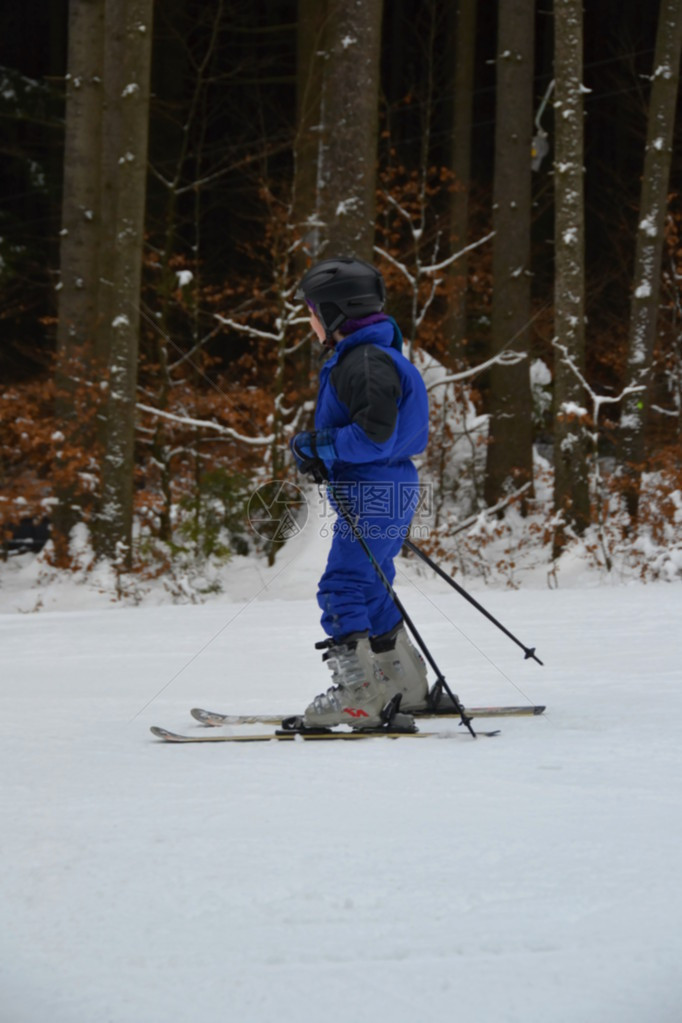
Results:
[531, 878]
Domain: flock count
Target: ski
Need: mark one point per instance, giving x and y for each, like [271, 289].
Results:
[311, 736]
[216, 720]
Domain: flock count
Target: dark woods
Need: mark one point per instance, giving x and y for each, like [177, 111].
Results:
[170, 169]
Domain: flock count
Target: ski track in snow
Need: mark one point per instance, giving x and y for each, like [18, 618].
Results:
[534, 878]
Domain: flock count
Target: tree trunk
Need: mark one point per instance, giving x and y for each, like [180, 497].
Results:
[111, 144]
[650, 240]
[350, 125]
[571, 491]
[131, 105]
[80, 196]
[308, 141]
[510, 454]
[465, 62]
[78, 251]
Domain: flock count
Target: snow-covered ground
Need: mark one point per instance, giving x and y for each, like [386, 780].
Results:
[532, 878]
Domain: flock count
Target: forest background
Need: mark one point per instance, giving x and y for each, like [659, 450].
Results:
[170, 170]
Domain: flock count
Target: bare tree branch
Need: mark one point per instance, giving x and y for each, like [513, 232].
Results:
[502, 359]
[244, 328]
[457, 255]
[207, 424]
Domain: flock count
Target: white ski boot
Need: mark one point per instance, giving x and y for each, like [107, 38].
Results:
[358, 694]
[403, 668]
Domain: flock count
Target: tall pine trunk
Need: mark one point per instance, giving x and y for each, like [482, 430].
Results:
[571, 491]
[305, 213]
[650, 238]
[465, 55]
[79, 248]
[130, 107]
[510, 454]
[350, 125]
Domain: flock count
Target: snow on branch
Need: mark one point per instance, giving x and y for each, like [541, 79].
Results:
[398, 265]
[398, 208]
[597, 399]
[487, 512]
[457, 255]
[435, 284]
[294, 348]
[434, 267]
[501, 359]
[207, 424]
[673, 413]
[422, 271]
[244, 328]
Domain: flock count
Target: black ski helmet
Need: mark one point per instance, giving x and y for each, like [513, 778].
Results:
[343, 289]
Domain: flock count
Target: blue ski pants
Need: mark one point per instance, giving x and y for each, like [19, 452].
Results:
[351, 595]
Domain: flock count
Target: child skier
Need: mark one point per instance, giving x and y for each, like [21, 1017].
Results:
[371, 417]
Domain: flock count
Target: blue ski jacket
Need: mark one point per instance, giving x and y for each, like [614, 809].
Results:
[373, 404]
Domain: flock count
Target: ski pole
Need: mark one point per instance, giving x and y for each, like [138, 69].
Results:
[440, 678]
[529, 651]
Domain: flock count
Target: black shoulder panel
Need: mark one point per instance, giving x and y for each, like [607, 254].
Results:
[367, 382]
